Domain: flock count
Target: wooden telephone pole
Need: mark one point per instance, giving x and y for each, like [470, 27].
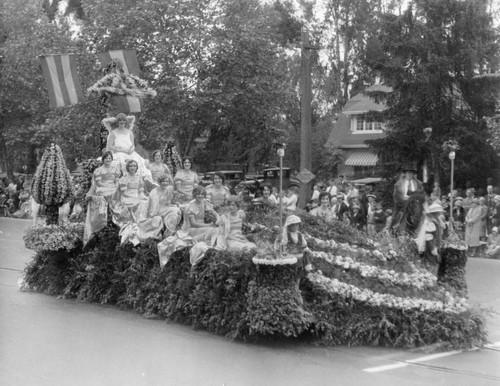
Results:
[305, 176]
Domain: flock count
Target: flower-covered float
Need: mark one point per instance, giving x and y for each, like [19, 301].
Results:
[352, 290]
[359, 292]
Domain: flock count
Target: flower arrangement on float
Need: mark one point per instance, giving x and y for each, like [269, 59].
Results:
[419, 279]
[52, 185]
[53, 237]
[334, 286]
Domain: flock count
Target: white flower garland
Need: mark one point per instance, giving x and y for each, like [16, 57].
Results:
[118, 84]
[275, 262]
[417, 279]
[333, 286]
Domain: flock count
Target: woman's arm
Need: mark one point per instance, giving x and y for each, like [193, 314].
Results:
[132, 147]
[110, 143]
[108, 123]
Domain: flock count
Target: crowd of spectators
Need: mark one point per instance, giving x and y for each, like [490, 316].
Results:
[15, 197]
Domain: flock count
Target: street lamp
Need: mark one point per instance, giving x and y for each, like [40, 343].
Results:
[451, 156]
[280, 150]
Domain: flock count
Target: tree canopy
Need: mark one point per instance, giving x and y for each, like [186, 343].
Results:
[227, 76]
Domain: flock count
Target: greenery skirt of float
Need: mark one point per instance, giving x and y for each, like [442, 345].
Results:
[360, 291]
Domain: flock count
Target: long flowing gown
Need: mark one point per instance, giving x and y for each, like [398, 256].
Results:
[123, 140]
[160, 213]
[232, 235]
[131, 208]
[101, 194]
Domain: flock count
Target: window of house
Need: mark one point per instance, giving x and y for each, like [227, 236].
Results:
[361, 124]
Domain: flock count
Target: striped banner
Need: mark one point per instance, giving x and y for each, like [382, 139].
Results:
[62, 79]
[128, 58]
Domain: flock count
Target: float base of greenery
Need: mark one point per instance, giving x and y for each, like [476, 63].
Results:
[228, 294]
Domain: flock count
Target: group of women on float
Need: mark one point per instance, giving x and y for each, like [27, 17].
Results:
[154, 208]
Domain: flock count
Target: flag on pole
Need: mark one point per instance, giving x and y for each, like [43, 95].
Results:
[128, 58]
[62, 79]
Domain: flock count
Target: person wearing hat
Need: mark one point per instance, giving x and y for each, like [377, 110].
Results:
[458, 212]
[340, 207]
[405, 188]
[293, 243]
[493, 246]
[430, 234]
[473, 226]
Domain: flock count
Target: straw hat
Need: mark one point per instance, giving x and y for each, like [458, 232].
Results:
[434, 208]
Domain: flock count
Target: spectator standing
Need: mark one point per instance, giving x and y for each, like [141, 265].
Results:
[473, 226]
[351, 193]
[436, 192]
[324, 210]
[340, 207]
[484, 216]
[370, 215]
[332, 189]
[469, 196]
[379, 217]
[316, 191]
[458, 213]
[357, 217]
[490, 203]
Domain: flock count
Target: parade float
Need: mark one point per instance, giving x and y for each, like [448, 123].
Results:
[356, 291]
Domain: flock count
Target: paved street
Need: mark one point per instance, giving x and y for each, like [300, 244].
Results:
[49, 341]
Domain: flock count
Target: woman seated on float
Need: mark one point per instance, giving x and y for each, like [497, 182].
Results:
[185, 180]
[160, 205]
[121, 143]
[105, 178]
[292, 243]
[102, 193]
[232, 223]
[131, 188]
[324, 210]
[194, 218]
[267, 198]
[158, 168]
[217, 193]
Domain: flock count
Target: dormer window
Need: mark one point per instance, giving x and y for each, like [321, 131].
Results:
[361, 124]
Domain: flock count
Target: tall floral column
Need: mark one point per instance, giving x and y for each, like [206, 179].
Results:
[274, 301]
[52, 185]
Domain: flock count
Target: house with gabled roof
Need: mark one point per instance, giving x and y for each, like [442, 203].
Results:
[351, 131]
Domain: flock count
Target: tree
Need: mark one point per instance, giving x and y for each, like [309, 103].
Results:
[429, 56]
[26, 33]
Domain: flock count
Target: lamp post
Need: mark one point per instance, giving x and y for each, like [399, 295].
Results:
[280, 150]
[451, 156]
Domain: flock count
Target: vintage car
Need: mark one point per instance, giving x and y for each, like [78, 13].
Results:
[232, 178]
[270, 176]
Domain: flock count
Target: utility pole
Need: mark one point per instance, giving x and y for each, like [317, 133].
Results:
[305, 176]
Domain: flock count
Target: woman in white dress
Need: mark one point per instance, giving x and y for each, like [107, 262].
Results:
[121, 143]
[185, 181]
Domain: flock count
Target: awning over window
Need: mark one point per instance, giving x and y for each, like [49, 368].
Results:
[361, 159]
